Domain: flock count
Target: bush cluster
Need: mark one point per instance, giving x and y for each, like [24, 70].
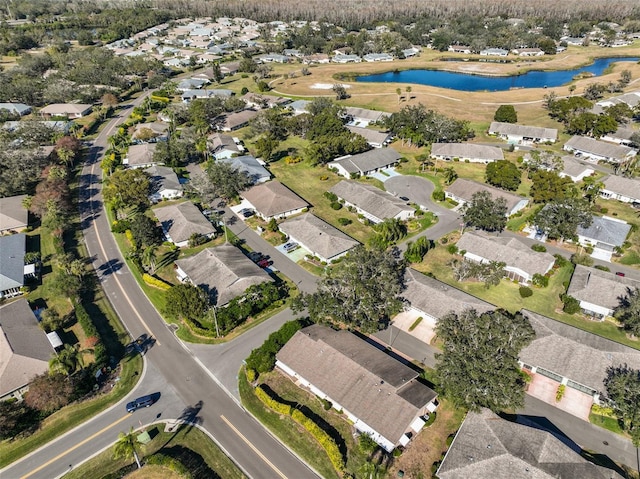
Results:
[263, 359]
[170, 463]
[525, 292]
[99, 350]
[272, 403]
[155, 282]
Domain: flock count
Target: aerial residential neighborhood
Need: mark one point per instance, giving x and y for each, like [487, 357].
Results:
[262, 240]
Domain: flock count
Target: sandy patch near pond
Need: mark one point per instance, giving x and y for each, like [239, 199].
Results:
[326, 86]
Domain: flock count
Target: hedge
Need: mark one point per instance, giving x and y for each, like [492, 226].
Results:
[271, 403]
[99, 351]
[170, 463]
[326, 441]
[155, 282]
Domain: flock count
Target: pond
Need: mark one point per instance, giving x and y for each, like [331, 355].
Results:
[468, 82]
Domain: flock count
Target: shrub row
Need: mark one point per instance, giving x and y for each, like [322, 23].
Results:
[326, 441]
[271, 403]
[263, 359]
[155, 282]
[99, 350]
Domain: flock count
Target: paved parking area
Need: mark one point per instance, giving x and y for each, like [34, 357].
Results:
[295, 255]
[423, 331]
[573, 401]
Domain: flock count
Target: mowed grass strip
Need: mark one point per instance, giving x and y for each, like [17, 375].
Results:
[188, 437]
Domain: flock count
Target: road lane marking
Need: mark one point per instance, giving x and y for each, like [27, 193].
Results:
[260, 455]
[104, 254]
[81, 443]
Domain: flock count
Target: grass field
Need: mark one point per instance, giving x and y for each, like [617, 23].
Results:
[189, 445]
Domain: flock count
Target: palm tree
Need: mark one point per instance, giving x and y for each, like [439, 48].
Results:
[126, 447]
[67, 361]
[149, 257]
[371, 470]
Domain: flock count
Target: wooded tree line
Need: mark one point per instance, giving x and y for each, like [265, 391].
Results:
[354, 14]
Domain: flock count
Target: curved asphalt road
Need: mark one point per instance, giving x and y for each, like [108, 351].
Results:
[187, 388]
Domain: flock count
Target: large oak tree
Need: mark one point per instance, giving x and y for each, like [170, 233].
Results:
[478, 366]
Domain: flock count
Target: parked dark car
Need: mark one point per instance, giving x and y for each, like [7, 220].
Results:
[255, 256]
[247, 213]
[264, 263]
[620, 273]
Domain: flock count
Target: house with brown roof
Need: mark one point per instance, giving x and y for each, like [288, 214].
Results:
[487, 446]
[318, 237]
[521, 262]
[150, 132]
[14, 217]
[462, 191]
[223, 272]
[622, 189]
[179, 222]
[258, 100]
[470, 152]
[595, 150]
[434, 299]
[573, 357]
[367, 163]
[140, 156]
[378, 394]
[521, 134]
[68, 110]
[24, 349]
[274, 200]
[371, 202]
[235, 120]
[599, 292]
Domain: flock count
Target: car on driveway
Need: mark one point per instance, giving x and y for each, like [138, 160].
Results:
[247, 212]
[142, 401]
[289, 247]
[255, 256]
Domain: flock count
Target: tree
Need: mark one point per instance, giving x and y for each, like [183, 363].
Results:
[503, 174]
[560, 219]
[485, 213]
[266, 146]
[127, 446]
[415, 251]
[628, 311]
[360, 292]
[187, 301]
[145, 231]
[549, 186]
[65, 284]
[49, 393]
[109, 100]
[340, 91]
[227, 181]
[127, 188]
[478, 366]
[623, 390]
[66, 361]
[506, 114]
[591, 188]
[594, 91]
[543, 160]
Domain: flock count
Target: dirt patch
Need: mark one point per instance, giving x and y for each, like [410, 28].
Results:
[428, 447]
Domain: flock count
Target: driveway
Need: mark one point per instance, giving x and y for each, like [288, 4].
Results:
[424, 331]
[417, 189]
[573, 401]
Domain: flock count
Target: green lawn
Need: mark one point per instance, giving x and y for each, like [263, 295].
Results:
[545, 301]
[606, 422]
[197, 450]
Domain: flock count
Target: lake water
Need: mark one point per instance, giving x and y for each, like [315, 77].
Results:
[468, 82]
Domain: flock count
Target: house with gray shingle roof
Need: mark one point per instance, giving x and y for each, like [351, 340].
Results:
[574, 169]
[223, 146]
[596, 150]
[621, 136]
[235, 120]
[14, 217]
[19, 109]
[165, 184]
[274, 200]
[378, 394]
[434, 299]
[318, 237]
[604, 235]
[578, 357]
[471, 152]
[367, 163]
[599, 292]
[462, 191]
[521, 134]
[224, 272]
[181, 221]
[375, 138]
[13, 271]
[622, 189]
[157, 131]
[68, 110]
[250, 165]
[140, 156]
[24, 349]
[362, 116]
[487, 446]
[522, 263]
[374, 204]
